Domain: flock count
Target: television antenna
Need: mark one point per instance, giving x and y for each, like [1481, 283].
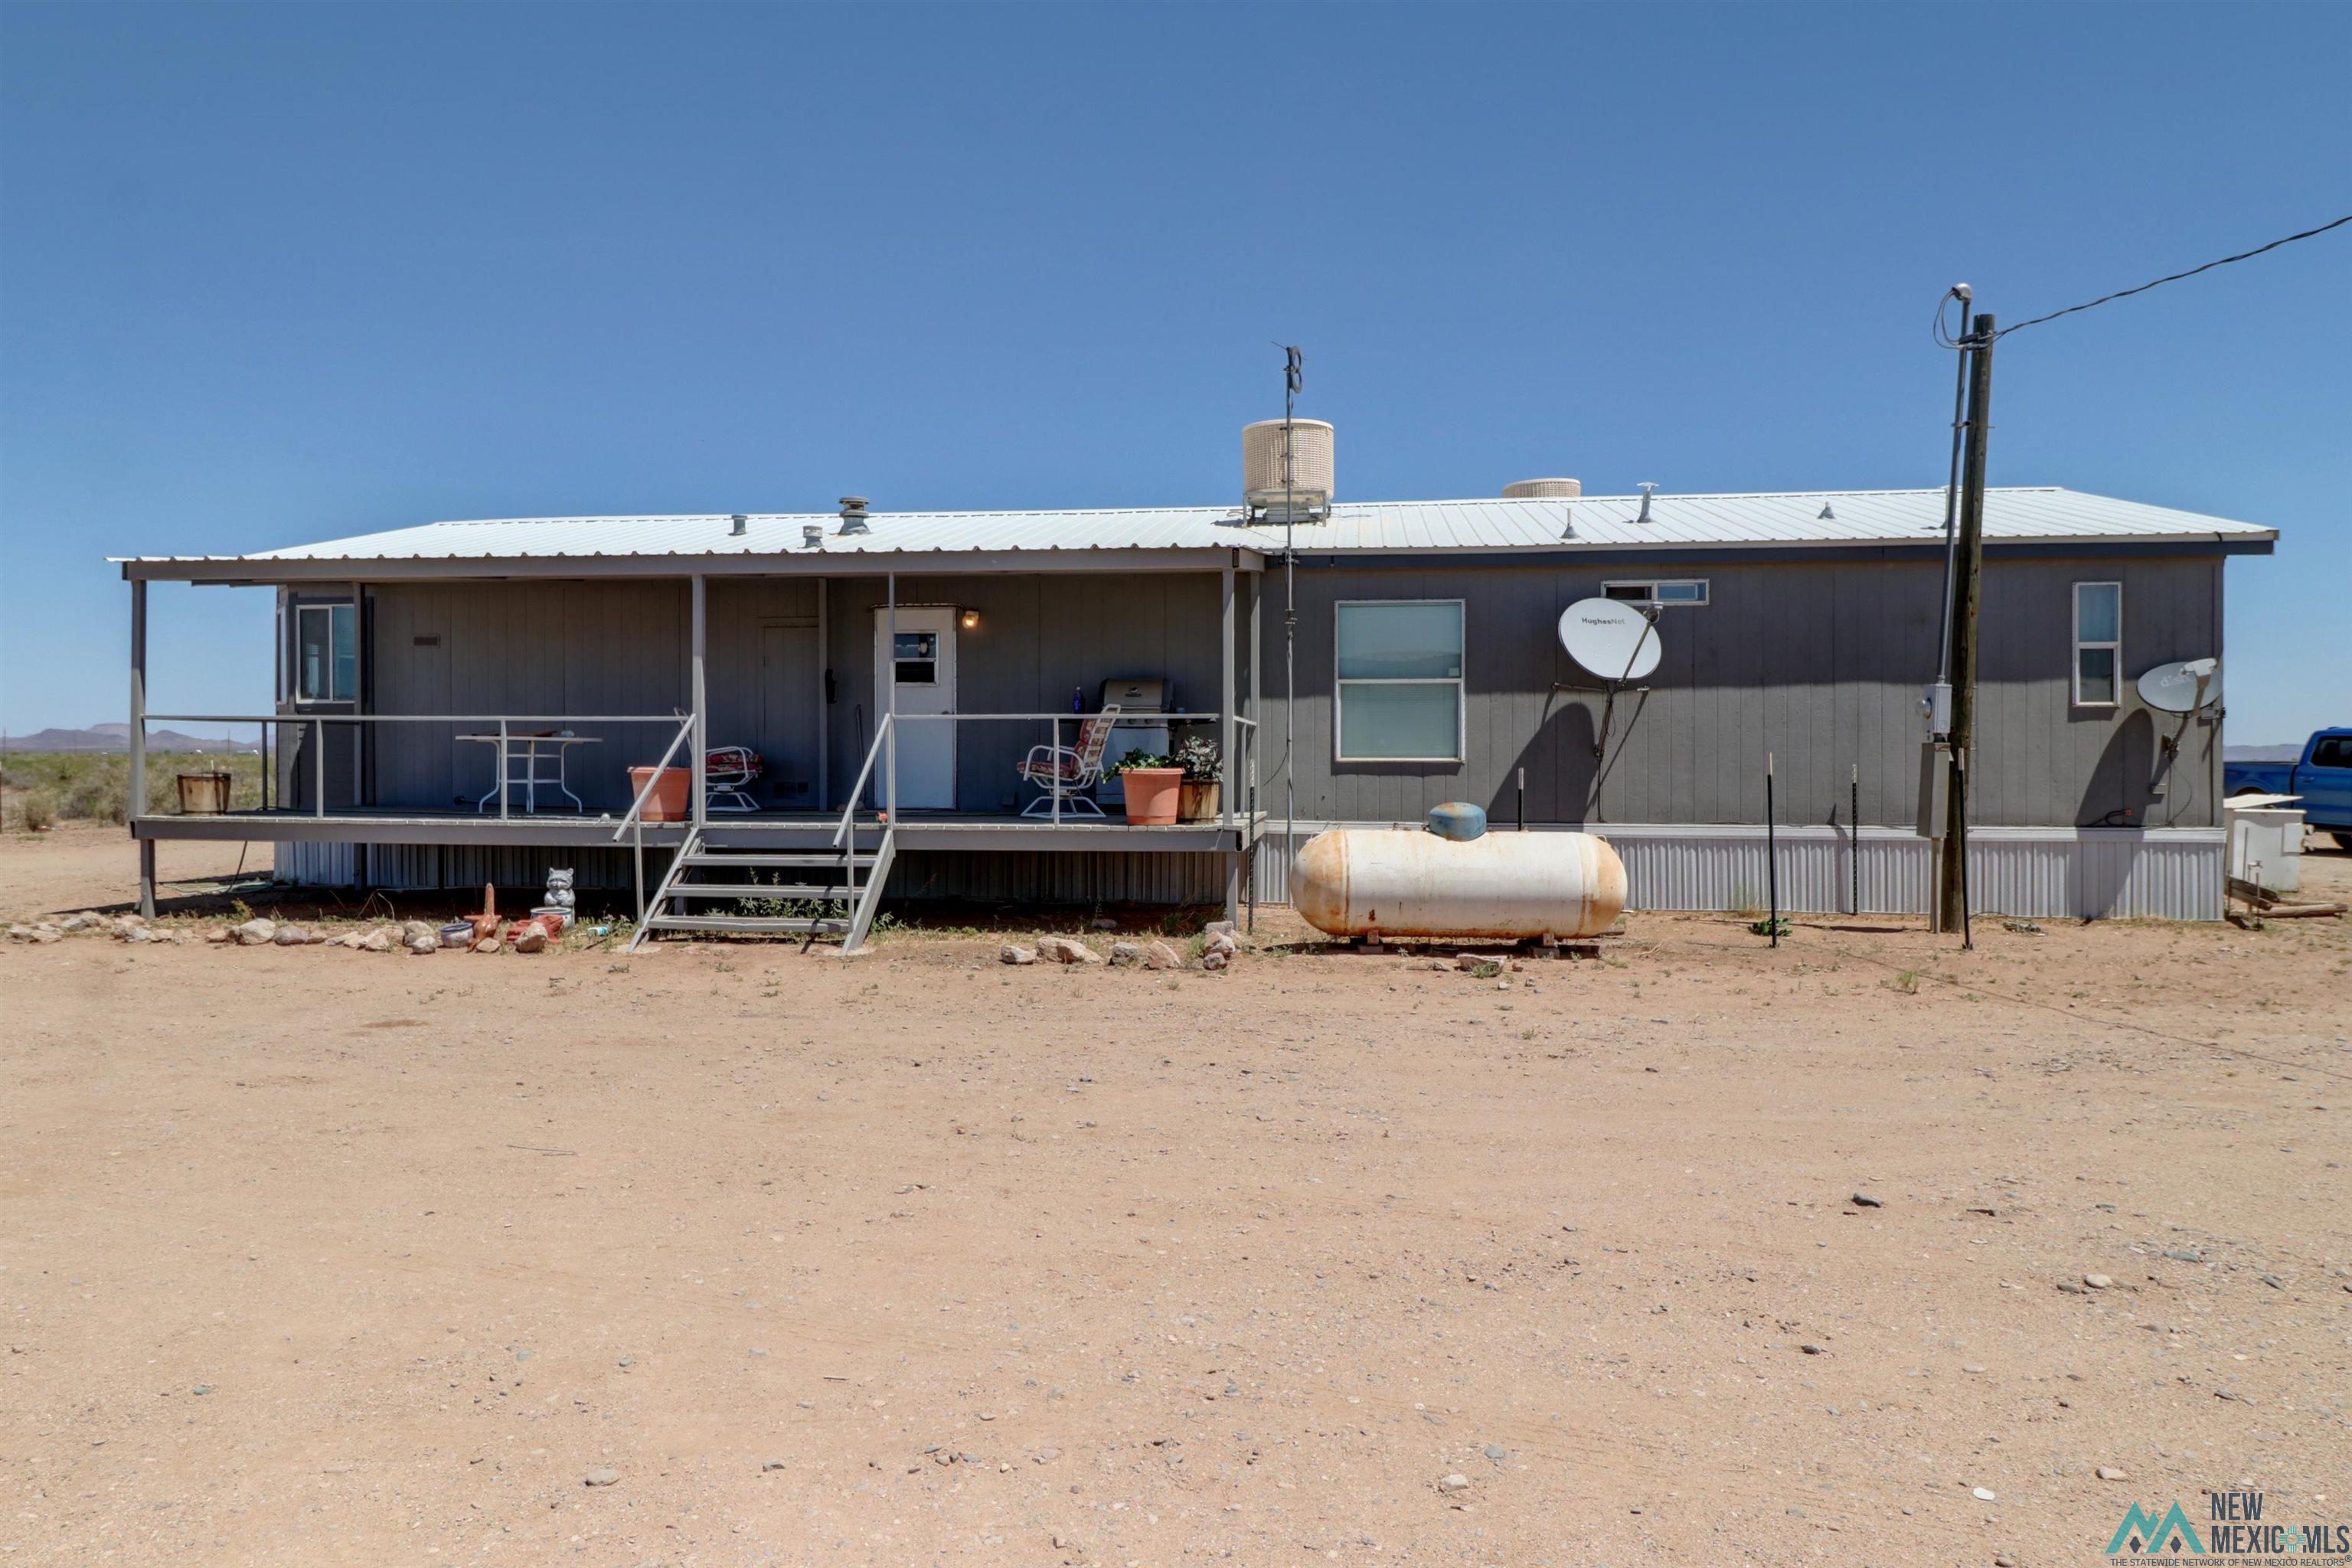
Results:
[1617, 641]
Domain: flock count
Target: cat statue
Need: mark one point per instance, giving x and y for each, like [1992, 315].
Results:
[561, 900]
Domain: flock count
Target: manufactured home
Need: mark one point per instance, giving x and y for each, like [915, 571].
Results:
[862, 706]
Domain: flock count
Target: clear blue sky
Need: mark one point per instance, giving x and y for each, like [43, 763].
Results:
[280, 273]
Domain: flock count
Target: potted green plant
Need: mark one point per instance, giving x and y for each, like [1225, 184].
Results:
[1151, 783]
[1203, 765]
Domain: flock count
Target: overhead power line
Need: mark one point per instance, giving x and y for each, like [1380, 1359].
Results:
[2177, 277]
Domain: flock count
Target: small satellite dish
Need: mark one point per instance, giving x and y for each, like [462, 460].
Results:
[2182, 687]
[1611, 638]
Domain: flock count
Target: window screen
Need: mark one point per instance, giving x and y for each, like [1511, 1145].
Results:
[326, 654]
[1400, 680]
[2098, 642]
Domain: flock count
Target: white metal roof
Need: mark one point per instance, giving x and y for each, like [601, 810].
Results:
[1847, 517]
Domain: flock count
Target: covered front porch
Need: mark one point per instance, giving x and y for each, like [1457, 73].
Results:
[819, 706]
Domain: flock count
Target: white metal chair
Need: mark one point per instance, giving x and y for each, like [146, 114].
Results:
[1068, 773]
[726, 770]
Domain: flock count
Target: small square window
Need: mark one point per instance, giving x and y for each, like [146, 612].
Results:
[1660, 591]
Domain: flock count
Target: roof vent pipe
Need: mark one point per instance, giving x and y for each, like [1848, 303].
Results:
[1543, 489]
[1647, 486]
[853, 515]
[812, 535]
[736, 525]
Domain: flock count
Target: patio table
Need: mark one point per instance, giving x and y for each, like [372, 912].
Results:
[531, 750]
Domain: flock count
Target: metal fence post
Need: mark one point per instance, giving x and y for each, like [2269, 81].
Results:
[504, 771]
[1771, 856]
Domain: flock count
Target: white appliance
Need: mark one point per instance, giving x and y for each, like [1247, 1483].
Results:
[1140, 702]
[2266, 836]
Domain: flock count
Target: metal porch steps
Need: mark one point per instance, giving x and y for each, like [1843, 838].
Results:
[792, 925]
[831, 881]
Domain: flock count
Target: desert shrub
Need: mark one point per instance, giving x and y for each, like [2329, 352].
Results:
[100, 794]
[35, 809]
[96, 785]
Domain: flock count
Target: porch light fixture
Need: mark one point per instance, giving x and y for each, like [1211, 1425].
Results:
[969, 620]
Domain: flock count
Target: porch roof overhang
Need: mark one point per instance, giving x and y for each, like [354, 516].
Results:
[283, 569]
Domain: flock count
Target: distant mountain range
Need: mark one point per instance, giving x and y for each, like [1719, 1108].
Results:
[117, 738]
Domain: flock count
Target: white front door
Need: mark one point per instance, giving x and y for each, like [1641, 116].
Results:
[923, 666]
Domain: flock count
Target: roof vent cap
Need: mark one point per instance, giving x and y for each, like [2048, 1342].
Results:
[1543, 489]
[812, 535]
[853, 515]
[736, 525]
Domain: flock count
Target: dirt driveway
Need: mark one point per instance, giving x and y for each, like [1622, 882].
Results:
[318, 1256]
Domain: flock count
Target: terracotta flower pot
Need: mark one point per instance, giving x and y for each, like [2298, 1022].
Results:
[1197, 801]
[1151, 795]
[672, 792]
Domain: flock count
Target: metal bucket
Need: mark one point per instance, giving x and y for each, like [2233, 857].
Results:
[204, 794]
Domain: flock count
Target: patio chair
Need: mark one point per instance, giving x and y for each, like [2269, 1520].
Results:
[1068, 773]
[726, 770]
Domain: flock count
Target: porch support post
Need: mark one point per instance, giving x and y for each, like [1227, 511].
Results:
[358, 701]
[699, 595]
[1225, 712]
[1231, 776]
[138, 802]
[824, 718]
[891, 685]
[1256, 734]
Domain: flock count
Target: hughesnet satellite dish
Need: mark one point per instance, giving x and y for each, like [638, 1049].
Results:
[2182, 687]
[1611, 639]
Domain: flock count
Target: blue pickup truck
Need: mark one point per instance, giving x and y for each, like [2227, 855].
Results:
[2322, 777]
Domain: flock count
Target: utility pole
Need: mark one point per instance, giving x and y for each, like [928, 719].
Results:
[1953, 882]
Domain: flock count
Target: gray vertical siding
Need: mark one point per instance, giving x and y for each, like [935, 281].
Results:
[1039, 637]
[544, 649]
[1820, 664]
[621, 647]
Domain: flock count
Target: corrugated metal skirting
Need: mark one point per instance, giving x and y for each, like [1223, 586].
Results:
[425, 867]
[976, 875]
[2053, 873]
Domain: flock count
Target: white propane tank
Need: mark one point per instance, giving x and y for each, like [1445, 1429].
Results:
[1354, 882]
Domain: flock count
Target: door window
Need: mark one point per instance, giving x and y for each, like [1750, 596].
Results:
[917, 658]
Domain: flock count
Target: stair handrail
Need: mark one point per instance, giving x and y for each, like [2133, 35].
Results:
[653, 779]
[849, 811]
[688, 850]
